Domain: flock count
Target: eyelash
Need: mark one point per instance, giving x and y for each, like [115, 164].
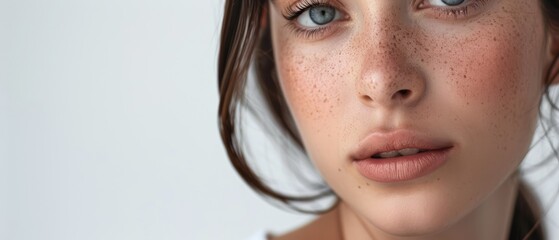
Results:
[292, 12]
[460, 11]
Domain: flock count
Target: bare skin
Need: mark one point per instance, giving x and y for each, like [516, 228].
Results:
[472, 77]
[326, 227]
[489, 221]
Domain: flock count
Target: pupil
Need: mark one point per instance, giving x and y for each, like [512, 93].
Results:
[322, 15]
[453, 2]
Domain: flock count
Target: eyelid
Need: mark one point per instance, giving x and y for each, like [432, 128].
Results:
[467, 3]
[452, 12]
[298, 7]
[442, 5]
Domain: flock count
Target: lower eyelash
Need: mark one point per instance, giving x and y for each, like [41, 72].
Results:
[306, 33]
[454, 12]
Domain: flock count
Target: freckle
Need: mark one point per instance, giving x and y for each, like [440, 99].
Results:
[367, 184]
[339, 169]
[359, 187]
[438, 179]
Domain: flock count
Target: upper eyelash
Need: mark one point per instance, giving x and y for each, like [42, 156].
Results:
[460, 11]
[293, 11]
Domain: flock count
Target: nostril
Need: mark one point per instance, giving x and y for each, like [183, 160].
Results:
[404, 93]
[367, 98]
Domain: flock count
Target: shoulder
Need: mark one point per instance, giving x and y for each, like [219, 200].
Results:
[324, 227]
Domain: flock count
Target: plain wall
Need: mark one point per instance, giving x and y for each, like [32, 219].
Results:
[108, 125]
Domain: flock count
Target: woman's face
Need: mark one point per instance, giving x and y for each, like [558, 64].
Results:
[462, 79]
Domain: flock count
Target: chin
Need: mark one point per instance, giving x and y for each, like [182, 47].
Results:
[415, 213]
[417, 221]
[413, 224]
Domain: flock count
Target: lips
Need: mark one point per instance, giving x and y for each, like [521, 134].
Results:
[399, 156]
[397, 143]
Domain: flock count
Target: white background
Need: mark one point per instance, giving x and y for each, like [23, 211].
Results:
[108, 125]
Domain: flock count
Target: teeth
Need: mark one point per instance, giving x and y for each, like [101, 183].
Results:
[397, 153]
[408, 151]
[389, 154]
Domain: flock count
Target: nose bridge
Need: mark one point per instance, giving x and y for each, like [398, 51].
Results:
[388, 75]
[384, 35]
[383, 21]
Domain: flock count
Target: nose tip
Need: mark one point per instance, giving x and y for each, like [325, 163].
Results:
[401, 96]
[404, 89]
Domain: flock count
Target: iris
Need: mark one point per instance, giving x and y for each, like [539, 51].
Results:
[322, 14]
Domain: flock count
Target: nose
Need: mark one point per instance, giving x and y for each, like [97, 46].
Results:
[389, 76]
[391, 87]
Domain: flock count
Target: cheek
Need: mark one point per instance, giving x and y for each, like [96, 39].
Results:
[492, 79]
[311, 82]
[491, 92]
[314, 81]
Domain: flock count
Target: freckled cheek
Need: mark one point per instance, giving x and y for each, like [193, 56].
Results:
[497, 87]
[495, 77]
[312, 86]
[495, 80]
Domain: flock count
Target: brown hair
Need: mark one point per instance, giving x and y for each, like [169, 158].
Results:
[246, 40]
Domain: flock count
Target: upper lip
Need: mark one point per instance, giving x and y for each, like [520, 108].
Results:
[379, 142]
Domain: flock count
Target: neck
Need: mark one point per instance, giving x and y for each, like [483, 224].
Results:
[489, 221]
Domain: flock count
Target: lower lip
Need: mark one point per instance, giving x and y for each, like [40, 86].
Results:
[402, 168]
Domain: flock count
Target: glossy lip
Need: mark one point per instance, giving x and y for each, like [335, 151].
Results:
[400, 168]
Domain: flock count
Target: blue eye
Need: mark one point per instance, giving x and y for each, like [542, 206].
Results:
[322, 15]
[318, 16]
[446, 3]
